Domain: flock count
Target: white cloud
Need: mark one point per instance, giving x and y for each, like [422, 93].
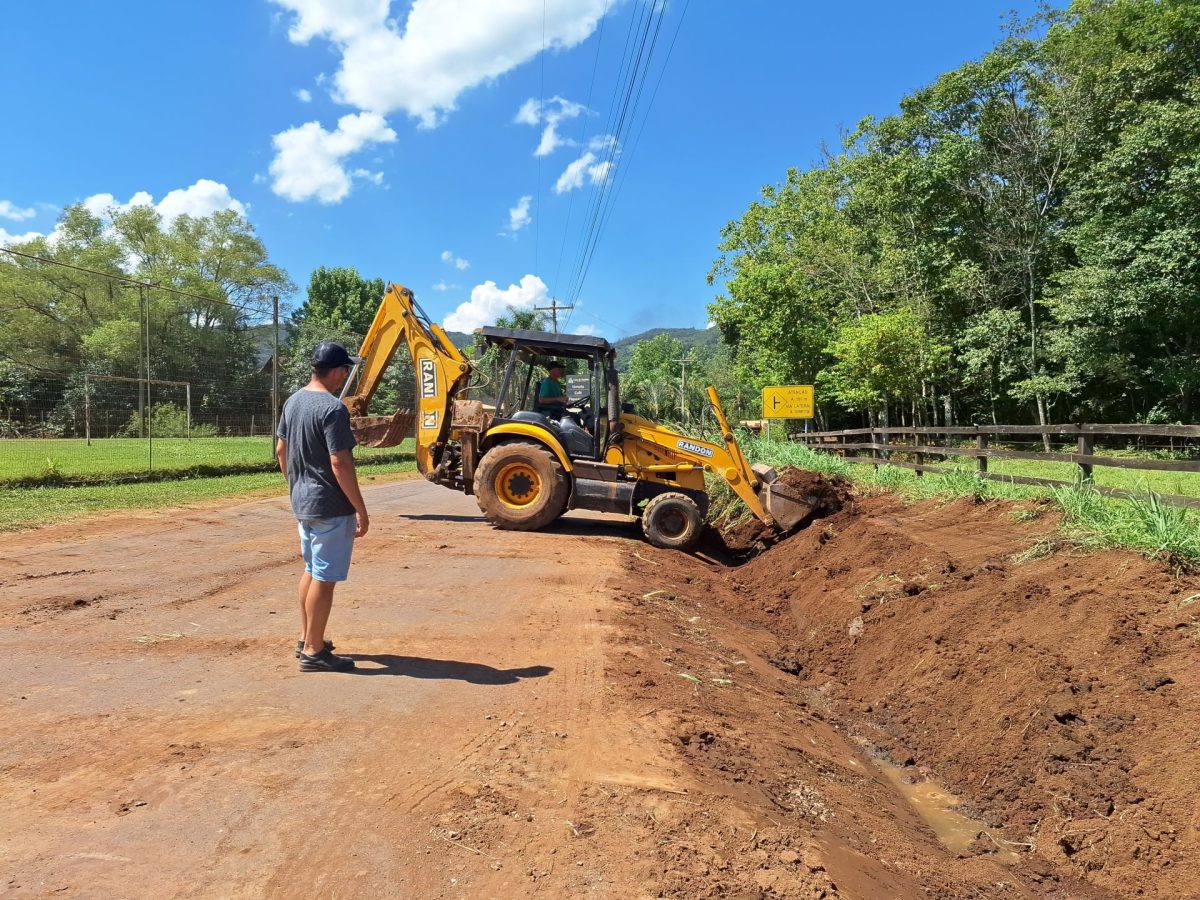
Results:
[7, 239]
[376, 178]
[586, 329]
[488, 302]
[441, 286]
[549, 112]
[198, 200]
[9, 210]
[587, 167]
[456, 261]
[308, 159]
[304, 95]
[201, 199]
[518, 216]
[440, 50]
[530, 112]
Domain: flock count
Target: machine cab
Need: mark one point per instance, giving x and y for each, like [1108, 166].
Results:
[520, 358]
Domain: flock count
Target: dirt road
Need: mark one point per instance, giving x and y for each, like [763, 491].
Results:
[162, 743]
[566, 713]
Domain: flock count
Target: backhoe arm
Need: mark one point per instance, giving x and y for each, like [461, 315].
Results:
[440, 370]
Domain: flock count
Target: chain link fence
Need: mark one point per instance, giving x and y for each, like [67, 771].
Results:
[180, 385]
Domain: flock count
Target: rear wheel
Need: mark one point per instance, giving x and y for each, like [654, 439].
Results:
[521, 486]
[672, 521]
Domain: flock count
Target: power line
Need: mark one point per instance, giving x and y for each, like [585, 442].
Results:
[126, 279]
[638, 72]
[537, 222]
[610, 120]
[582, 131]
[614, 191]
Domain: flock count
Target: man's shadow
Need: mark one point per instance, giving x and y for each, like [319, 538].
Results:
[443, 669]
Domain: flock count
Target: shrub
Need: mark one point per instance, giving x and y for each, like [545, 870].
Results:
[166, 420]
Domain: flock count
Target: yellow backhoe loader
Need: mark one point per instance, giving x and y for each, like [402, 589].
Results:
[526, 468]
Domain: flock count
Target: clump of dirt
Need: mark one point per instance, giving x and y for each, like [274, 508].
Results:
[744, 539]
[1056, 696]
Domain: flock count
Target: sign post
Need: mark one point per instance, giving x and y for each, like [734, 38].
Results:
[787, 401]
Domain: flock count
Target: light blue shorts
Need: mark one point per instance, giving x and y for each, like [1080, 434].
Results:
[326, 545]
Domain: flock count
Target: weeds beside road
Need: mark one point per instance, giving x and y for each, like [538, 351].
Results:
[1089, 519]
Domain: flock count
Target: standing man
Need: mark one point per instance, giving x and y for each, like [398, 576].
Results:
[551, 395]
[314, 453]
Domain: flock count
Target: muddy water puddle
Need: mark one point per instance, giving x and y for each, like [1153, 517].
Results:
[939, 809]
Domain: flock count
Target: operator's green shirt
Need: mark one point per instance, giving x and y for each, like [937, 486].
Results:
[550, 387]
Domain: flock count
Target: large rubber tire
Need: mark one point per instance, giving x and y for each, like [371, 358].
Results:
[672, 521]
[521, 486]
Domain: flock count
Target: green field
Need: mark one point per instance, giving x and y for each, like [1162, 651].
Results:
[61, 460]
[1186, 484]
[30, 507]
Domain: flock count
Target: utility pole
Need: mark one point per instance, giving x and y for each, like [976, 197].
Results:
[274, 371]
[553, 309]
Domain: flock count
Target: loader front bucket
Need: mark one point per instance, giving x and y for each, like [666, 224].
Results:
[384, 431]
[790, 508]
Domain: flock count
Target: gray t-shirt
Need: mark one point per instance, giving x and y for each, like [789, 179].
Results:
[315, 424]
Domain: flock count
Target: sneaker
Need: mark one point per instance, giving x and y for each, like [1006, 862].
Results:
[300, 646]
[325, 662]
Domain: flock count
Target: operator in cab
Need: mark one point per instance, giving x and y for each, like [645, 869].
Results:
[552, 395]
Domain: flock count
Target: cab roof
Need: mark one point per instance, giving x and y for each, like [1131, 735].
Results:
[546, 343]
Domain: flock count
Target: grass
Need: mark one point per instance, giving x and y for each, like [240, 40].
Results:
[1089, 519]
[66, 460]
[32, 506]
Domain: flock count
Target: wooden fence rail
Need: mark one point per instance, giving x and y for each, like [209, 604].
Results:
[877, 441]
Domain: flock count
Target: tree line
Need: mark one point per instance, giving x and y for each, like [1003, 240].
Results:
[86, 314]
[1019, 243]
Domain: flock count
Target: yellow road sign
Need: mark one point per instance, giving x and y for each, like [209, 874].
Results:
[788, 401]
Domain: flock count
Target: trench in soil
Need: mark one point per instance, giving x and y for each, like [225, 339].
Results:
[886, 704]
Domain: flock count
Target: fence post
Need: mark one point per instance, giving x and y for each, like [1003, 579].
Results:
[274, 373]
[149, 402]
[1087, 444]
[918, 457]
[188, 388]
[982, 443]
[87, 409]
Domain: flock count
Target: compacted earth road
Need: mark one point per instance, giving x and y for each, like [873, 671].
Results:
[562, 713]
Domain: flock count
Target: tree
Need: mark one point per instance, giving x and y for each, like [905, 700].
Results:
[341, 299]
[880, 359]
[64, 322]
[653, 377]
[1130, 309]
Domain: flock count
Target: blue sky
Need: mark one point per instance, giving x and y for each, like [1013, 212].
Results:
[400, 139]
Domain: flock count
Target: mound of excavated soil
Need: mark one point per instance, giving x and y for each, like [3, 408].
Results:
[1057, 697]
[825, 496]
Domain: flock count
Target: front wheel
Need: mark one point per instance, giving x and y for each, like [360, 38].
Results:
[521, 486]
[672, 521]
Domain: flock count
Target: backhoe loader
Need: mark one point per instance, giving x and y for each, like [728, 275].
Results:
[526, 468]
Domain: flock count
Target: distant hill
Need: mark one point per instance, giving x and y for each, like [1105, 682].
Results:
[689, 337]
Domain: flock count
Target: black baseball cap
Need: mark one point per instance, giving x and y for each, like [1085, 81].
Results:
[331, 355]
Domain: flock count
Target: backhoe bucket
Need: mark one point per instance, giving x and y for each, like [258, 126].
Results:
[788, 507]
[384, 431]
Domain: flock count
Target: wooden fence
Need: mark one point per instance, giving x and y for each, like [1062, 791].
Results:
[954, 444]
